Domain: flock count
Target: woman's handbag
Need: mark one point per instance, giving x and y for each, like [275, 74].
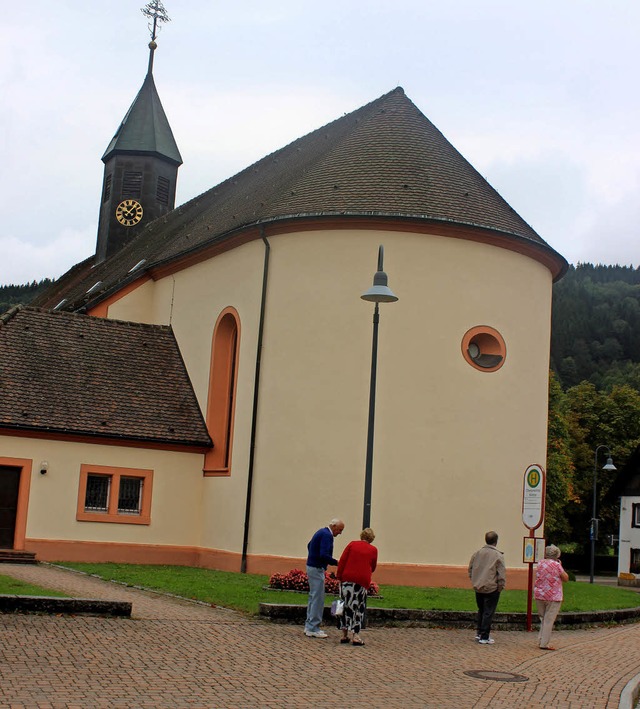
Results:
[337, 607]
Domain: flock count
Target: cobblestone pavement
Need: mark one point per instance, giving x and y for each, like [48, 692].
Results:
[174, 653]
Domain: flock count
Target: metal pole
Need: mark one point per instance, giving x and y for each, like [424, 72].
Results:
[592, 530]
[532, 535]
[368, 475]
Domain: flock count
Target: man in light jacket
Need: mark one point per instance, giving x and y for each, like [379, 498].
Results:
[488, 577]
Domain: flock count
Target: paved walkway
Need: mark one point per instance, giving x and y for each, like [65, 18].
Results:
[175, 653]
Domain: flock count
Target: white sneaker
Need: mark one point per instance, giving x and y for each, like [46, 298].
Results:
[488, 641]
[478, 637]
[316, 634]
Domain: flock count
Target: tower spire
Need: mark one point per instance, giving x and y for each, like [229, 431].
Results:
[156, 14]
[140, 163]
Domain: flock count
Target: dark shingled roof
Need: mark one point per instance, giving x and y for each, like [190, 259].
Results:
[65, 373]
[145, 128]
[384, 160]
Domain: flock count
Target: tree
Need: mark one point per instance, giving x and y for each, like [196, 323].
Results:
[597, 418]
[560, 468]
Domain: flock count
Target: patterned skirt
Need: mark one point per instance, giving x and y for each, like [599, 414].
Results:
[355, 603]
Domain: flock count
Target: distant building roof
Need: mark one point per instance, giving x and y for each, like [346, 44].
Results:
[384, 161]
[70, 374]
[145, 128]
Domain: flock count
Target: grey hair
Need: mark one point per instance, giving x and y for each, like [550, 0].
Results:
[335, 522]
[552, 552]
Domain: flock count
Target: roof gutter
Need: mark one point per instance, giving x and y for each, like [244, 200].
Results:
[256, 394]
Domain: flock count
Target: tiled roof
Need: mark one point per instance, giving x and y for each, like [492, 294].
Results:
[145, 127]
[65, 373]
[384, 160]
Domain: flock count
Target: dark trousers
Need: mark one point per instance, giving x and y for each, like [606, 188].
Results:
[487, 604]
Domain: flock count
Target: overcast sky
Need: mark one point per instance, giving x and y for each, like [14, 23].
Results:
[541, 96]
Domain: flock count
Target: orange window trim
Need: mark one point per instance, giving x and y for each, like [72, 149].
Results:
[495, 345]
[24, 486]
[112, 514]
[223, 377]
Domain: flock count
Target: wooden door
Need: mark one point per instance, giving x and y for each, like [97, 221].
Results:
[9, 484]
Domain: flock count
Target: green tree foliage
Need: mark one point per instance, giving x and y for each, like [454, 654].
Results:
[595, 418]
[596, 326]
[13, 295]
[560, 468]
[595, 354]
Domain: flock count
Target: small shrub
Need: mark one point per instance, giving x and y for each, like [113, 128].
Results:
[296, 580]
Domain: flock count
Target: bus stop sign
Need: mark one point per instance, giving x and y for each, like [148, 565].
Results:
[533, 496]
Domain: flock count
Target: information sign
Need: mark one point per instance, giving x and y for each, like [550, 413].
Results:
[533, 550]
[533, 497]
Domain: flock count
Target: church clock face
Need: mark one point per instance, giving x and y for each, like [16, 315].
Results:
[129, 212]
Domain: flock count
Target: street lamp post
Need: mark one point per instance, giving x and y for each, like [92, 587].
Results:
[378, 293]
[593, 530]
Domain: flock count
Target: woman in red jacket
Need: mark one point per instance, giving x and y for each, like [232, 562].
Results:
[357, 563]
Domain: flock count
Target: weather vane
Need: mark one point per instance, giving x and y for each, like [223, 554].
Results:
[156, 14]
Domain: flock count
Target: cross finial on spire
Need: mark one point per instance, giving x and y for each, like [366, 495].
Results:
[156, 14]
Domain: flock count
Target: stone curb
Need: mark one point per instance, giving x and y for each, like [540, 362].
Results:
[629, 696]
[288, 613]
[67, 606]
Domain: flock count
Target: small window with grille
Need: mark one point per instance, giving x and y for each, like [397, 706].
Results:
[131, 185]
[109, 494]
[635, 514]
[97, 495]
[130, 496]
[162, 190]
[107, 188]
[634, 561]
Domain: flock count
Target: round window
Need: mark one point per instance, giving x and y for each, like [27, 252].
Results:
[484, 349]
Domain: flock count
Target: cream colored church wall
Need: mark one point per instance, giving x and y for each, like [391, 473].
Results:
[140, 305]
[451, 442]
[191, 301]
[53, 497]
[232, 279]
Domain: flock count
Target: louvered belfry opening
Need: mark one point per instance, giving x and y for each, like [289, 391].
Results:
[162, 190]
[131, 185]
[106, 193]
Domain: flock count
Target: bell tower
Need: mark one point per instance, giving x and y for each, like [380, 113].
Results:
[140, 163]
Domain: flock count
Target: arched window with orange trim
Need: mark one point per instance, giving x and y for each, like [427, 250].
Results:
[223, 375]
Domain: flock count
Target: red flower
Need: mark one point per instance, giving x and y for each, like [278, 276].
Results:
[296, 580]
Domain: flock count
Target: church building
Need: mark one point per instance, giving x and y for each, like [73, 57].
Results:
[197, 391]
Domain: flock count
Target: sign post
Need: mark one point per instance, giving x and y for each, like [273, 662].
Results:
[533, 493]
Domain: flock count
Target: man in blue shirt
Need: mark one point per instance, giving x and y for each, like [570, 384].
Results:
[320, 556]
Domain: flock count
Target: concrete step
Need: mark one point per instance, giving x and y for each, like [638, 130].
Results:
[13, 556]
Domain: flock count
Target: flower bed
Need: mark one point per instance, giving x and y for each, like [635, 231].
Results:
[296, 580]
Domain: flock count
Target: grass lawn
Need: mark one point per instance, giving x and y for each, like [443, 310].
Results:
[245, 591]
[13, 587]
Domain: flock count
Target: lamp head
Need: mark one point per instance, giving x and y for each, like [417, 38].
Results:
[380, 291]
[609, 464]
